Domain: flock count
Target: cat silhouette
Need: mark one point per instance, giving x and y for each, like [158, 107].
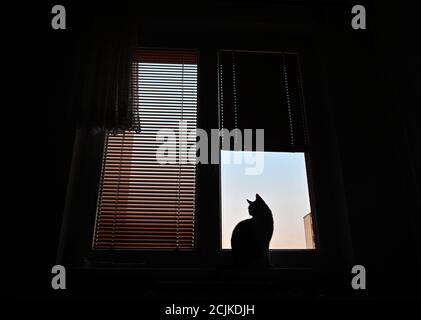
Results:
[251, 237]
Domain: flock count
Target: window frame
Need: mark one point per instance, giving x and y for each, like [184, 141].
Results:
[278, 257]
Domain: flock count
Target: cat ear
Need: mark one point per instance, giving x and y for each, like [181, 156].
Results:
[258, 197]
[250, 202]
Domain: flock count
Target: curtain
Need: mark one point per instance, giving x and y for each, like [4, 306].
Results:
[105, 99]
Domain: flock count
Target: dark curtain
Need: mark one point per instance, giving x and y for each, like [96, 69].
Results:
[105, 97]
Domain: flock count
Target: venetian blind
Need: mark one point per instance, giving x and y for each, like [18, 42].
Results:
[263, 90]
[144, 204]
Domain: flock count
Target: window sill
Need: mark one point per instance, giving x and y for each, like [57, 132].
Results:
[181, 274]
[130, 282]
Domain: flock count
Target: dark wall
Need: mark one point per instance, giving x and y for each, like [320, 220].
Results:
[369, 82]
[371, 87]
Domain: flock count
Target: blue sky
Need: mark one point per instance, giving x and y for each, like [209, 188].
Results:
[283, 186]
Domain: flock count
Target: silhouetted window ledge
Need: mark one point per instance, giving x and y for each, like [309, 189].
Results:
[133, 281]
[141, 269]
[281, 260]
[104, 265]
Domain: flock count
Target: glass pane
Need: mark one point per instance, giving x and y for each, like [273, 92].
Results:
[145, 203]
[282, 183]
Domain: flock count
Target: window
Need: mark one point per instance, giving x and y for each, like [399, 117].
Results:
[147, 203]
[263, 90]
[282, 183]
[144, 203]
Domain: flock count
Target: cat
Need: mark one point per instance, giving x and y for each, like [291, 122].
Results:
[251, 237]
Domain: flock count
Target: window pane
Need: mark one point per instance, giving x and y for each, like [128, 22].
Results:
[282, 184]
[147, 199]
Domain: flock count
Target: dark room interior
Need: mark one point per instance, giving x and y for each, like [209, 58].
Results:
[360, 137]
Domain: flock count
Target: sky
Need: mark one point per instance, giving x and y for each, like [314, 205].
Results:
[283, 186]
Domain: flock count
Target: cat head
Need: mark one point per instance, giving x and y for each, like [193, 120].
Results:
[258, 207]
